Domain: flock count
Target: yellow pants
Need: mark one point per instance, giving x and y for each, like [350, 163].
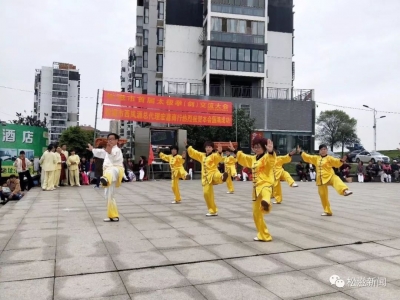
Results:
[114, 177]
[74, 177]
[48, 181]
[337, 184]
[175, 183]
[229, 184]
[258, 214]
[65, 181]
[277, 192]
[57, 174]
[208, 191]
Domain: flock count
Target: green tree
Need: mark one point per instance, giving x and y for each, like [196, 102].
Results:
[336, 128]
[197, 135]
[77, 139]
[29, 120]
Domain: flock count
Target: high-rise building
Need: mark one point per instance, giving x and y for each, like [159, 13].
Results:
[228, 50]
[57, 94]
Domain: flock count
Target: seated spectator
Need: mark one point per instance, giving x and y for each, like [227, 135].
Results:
[370, 171]
[300, 171]
[11, 189]
[388, 172]
[395, 170]
[310, 171]
[360, 171]
[345, 170]
[381, 172]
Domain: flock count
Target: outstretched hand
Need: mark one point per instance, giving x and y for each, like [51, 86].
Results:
[231, 146]
[219, 148]
[90, 147]
[184, 154]
[298, 150]
[293, 152]
[185, 142]
[344, 159]
[270, 146]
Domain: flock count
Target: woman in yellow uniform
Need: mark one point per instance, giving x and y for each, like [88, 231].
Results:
[262, 166]
[326, 175]
[281, 174]
[230, 168]
[176, 162]
[210, 174]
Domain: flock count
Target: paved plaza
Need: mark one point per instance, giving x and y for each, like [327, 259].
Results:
[55, 245]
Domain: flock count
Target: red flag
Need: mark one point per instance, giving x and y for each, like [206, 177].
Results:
[151, 155]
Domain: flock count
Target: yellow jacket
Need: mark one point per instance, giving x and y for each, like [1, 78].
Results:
[209, 164]
[262, 170]
[73, 158]
[48, 161]
[324, 166]
[230, 165]
[280, 161]
[59, 165]
[175, 162]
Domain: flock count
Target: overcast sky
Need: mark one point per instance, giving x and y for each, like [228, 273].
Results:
[348, 51]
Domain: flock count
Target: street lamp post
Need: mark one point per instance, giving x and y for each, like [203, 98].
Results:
[375, 118]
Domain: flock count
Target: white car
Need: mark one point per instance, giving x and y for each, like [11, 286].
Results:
[373, 156]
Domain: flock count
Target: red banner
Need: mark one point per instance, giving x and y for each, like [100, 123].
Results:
[166, 103]
[171, 117]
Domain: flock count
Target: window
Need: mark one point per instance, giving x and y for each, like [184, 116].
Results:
[123, 69]
[139, 41]
[139, 21]
[139, 61]
[160, 9]
[239, 7]
[233, 59]
[145, 37]
[159, 88]
[159, 62]
[160, 36]
[146, 16]
[145, 78]
[138, 82]
[145, 59]
[237, 26]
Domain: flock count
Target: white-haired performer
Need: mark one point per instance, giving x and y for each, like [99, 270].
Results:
[113, 172]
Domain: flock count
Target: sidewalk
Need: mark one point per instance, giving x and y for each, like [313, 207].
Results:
[54, 245]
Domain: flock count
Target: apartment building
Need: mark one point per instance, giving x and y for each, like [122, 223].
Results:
[229, 50]
[57, 97]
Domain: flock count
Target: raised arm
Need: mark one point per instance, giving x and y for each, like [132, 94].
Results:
[164, 157]
[335, 162]
[218, 155]
[196, 155]
[244, 159]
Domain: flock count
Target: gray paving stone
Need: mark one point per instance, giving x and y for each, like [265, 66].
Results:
[258, 265]
[333, 296]
[38, 289]
[232, 250]
[375, 250]
[88, 286]
[162, 233]
[119, 297]
[276, 246]
[341, 254]
[195, 231]
[391, 243]
[84, 265]
[129, 260]
[184, 293]
[153, 279]
[81, 249]
[235, 290]
[292, 285]
[128, 245]
[388, 292]
[214, 239]
[27, 270]
[173, 243]
[302, 260]
[208, 272]
[378, 267]
[186, 255]
[16, 244]
[14, 256]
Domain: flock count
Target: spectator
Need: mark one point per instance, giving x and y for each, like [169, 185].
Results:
[142, 168]
[381, 172]
[300, 171]
[22, 165]
[11, 189]
[395, 170]
[190, 167]
[345, 170]
[388, 172]
[360, 171]
[370, 171]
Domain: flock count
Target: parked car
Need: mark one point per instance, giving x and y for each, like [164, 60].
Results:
[373, 156]
[333, 154]
[351, 157]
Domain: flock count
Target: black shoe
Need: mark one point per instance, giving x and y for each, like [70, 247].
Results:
[104, 181]
[265, 205]
[225, 176]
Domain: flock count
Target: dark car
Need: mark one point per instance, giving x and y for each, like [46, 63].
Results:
[351, 157]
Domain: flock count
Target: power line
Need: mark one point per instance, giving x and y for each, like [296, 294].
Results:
[28, 91]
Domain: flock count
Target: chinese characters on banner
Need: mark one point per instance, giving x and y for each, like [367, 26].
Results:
[127, 106]
[9, 136]
[158, 116]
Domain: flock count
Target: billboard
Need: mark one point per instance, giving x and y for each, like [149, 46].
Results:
[15, 138]
[161, 109]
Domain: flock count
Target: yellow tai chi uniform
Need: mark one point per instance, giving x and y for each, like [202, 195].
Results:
[57, 172]
[326, 176]
[48, 163]
[263, 181]
[210, 175]
[281, 174]
[73, 169]
[230, 168]
[177, 171]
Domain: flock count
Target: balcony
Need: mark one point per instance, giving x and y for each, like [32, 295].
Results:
[290, 94]
[236, 91]
[229, 37]
[139, 30]
[177, 88]
[237, 10]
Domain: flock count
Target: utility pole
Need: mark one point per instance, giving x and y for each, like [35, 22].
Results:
[236, 122]
[95, 120]
[375, 118]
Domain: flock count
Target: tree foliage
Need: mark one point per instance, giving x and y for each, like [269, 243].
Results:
[29, 121]
[336, 128]
[197, 135]
[77, 139]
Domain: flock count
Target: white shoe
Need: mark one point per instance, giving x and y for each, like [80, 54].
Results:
[277, 202]
[347, 193]
[229, 192]
[326, 215]
[258, 240]
[176, 202]
[211, 215]
[294, 185]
